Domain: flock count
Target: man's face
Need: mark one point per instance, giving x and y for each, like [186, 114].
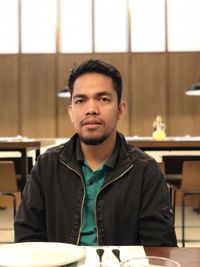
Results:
[94, 110]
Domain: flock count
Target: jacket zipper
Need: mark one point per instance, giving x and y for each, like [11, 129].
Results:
[117, 178]
[79, 234]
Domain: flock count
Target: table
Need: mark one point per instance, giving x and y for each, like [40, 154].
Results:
[145, 143]
[23, 146]
[187, 257]
[169, 144]
[149, 144]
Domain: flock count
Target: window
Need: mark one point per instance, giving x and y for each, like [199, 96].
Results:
[110, 26]
[75, 26]
[9, 26]
[147, 25]
[38, 26]
[183, 25]
[87, 26]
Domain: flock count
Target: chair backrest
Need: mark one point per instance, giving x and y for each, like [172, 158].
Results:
[8, 179]
[174, 163]
[191, 176]
[18, 165]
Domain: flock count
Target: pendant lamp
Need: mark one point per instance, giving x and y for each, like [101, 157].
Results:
[64, 93]
[194, 90]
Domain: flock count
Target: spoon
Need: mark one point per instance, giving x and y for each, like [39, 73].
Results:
[100, 253]
[116, 252]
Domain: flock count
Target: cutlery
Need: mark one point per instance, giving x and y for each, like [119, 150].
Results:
[100, 253]
[116, 252]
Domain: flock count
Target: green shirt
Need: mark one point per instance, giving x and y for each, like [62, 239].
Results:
[93, 183]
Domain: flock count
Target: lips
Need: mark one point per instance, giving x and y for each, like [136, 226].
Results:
[91, 122]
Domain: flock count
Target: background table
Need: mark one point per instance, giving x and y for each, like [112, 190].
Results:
[173, 163]
[187, 257]
[169, 144]
[23, 147]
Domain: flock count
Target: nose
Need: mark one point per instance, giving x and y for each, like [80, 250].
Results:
[92, 108]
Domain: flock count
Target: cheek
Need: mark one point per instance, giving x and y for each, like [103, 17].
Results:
[75, 119]
[72, 114]
[113, 116]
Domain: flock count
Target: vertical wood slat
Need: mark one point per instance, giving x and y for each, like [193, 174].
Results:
[148, 91]
[9, 115]
[121, 62]
[65, 64]
[38, 96]
[184, 111]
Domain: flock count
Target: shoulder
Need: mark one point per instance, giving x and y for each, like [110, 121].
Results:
[65, 152]
[61, 150]
[52, 151]
[134, 152]
[138, 157]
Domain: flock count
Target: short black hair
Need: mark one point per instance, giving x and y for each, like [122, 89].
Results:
[98, 66]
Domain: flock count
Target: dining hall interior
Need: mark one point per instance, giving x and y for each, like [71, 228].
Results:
[155, 44]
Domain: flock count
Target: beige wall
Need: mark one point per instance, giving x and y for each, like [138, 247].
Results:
[154, 83]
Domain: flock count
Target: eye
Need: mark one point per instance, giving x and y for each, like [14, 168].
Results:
[79, 101]
[104, 99]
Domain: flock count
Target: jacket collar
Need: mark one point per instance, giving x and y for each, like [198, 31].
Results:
[68, 154]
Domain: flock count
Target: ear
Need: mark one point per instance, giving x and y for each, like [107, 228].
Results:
[70, 112]
[121, 110]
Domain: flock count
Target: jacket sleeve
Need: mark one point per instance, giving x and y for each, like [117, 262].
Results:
[156, 217]
[29, 224]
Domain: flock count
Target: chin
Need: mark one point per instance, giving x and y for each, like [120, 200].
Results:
[93, 140]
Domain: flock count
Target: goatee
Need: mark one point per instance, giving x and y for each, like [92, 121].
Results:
[92, 141]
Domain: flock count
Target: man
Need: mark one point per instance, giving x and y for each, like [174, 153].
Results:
[96, 189]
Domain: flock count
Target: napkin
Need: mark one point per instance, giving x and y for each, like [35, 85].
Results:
[109, 259]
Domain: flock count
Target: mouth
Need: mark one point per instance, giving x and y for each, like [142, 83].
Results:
[91, 123]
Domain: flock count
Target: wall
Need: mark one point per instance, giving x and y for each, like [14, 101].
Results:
[154, 83]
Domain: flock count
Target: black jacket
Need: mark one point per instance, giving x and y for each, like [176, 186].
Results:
[132, 208]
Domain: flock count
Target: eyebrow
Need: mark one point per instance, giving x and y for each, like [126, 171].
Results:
[97, 95]
[78, 96]
[104, 93]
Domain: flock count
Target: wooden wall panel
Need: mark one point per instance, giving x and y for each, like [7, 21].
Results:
[9, 95]
[67, 62]
[147, 91]
[184, 111]
[121, 62]
[154, 83]
[38, 95]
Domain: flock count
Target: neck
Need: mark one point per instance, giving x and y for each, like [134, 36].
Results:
[96, 155]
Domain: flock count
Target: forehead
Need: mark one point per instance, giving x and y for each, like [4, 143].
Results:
[93, 81]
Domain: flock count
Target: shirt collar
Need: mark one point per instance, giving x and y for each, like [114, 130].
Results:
[79, 152]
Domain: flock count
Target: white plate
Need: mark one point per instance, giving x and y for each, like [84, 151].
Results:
[39, 254]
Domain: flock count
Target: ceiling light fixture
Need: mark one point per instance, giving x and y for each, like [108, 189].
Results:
[64, 93]
[194, 90]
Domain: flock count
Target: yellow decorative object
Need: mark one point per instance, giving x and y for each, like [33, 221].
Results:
[159, 129]
[159, 135]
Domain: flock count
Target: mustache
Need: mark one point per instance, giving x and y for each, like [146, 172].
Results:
[89, 121]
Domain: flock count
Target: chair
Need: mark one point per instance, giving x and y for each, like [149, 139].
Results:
[190, 186]
[8, 181]
[18, 167]
[172, 189]
[174, 166]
